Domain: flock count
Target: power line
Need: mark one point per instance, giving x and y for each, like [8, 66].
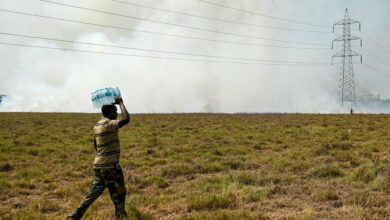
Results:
[182, 26]
[219, 19]
[376, 43]
[372, 79]
[163, 34]
[158, 57]
[263, 15]
[365, 76]
[315, 5]
[376, 56]
[148, 50]
[375, 70]
[371, 68]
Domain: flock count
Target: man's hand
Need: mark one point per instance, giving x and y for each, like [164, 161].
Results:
[118, 100]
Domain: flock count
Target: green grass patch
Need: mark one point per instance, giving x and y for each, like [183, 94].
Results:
[211, 201]
[325, 194]
[328, 171]
[201, 166]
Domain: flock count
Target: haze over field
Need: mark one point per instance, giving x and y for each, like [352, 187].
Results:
[54, 80]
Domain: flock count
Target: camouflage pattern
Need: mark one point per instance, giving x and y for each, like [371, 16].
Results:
[112, 179]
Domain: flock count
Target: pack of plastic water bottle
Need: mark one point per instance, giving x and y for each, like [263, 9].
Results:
[104, 96]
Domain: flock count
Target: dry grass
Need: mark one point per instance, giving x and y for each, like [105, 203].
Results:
[202, 166]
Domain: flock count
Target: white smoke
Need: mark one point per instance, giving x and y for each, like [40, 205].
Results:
[60, 81]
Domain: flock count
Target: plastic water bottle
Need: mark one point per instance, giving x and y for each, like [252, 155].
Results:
[104, 96]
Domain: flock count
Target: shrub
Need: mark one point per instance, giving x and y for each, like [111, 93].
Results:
[212, 184]
[250, 178]
[6, 167]
[25, 184]
[299, 166]
[211, 201]
[175, 170]
[325, 194]
[327, 172]
[232, 164]
[134, 213]
[342, 145]
[228, 215]
[4, 185]
[47, 206]
[381, 183]
[209, 168]
[323, 149]
[218, 152]
[364, 174]
[254, 195]
[159, 181]
[258, 147]
[343, 156]
[360, 198]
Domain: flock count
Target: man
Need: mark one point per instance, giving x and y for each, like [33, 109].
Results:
[108, 172]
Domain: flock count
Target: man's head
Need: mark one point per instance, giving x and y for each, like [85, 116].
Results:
[109, 111]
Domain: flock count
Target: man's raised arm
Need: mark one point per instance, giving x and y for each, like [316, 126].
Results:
[125, 115]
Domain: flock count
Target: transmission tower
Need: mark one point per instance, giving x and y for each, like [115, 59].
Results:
[346, 78]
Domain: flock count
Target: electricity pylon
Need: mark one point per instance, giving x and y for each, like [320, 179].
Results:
[346, 79]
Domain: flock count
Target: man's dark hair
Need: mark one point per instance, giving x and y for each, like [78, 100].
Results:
[106, 109]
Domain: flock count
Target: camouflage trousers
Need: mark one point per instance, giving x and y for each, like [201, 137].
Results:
[113, 180]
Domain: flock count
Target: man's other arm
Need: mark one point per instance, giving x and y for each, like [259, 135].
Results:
[125, 115]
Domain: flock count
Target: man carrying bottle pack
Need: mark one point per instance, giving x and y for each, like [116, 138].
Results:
[108, 172]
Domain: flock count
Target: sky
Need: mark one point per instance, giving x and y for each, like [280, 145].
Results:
[171, 56]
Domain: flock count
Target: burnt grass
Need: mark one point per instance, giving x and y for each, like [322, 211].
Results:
[202, 166]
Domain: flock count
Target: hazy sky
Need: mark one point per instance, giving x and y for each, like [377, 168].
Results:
[38, 79]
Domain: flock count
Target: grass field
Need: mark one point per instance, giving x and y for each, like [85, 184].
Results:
[202, 166]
